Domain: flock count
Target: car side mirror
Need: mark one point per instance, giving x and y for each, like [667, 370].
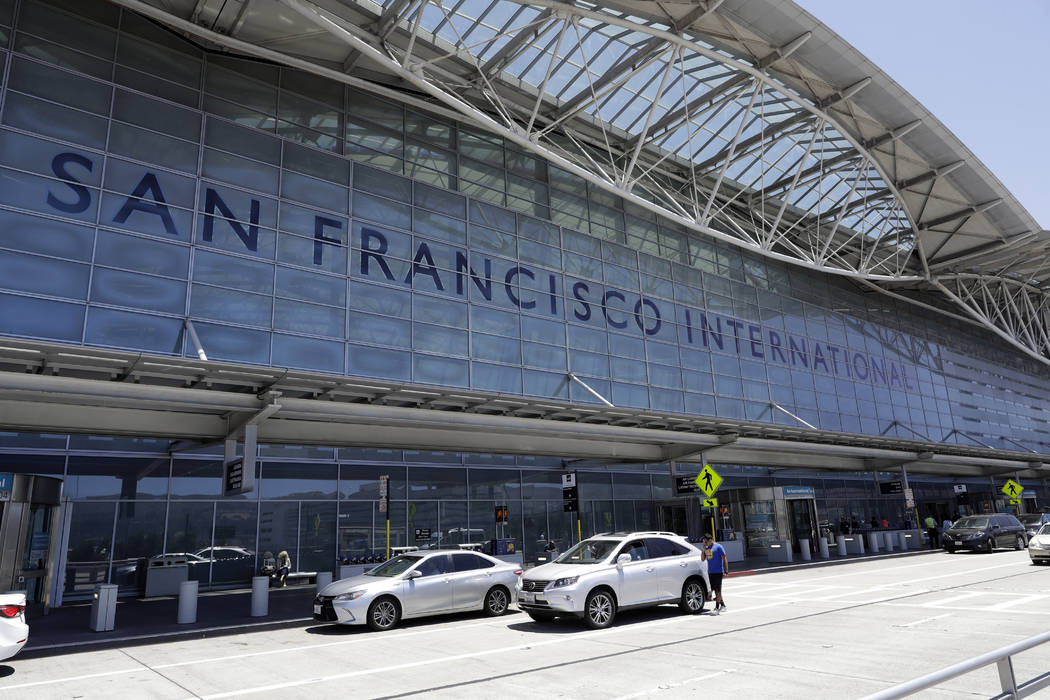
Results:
[623, 559]
[414, 573]
[995, 527]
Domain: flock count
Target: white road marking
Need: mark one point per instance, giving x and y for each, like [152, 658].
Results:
[1016, 601]
[924, 620]
[946, 602]
[669, 686]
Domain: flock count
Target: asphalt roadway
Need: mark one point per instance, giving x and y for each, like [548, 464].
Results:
[817, 632]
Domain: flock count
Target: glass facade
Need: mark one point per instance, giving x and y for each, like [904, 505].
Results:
[302, 223]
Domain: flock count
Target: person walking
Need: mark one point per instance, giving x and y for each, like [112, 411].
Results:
[717, 567]
[931, 531]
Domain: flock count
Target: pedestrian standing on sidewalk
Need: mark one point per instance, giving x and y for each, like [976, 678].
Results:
[932, 532]
[717, 567]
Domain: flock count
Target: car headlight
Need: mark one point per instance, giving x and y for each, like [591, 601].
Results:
[1036, 545]
[567, 581]
[352, 595]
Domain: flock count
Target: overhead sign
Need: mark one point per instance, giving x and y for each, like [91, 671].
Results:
[236, 479]
[710, 503]
[1012, 489]
[799, 492]
[7, 484]
[685, 485]
[708, 480]
[959, 488]
[888, 488]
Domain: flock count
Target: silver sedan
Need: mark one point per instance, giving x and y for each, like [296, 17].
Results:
[419, 584]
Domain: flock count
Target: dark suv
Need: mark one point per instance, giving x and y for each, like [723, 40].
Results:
[1033, 521]
[985, 532]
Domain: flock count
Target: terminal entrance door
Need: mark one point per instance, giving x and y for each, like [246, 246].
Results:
[803, 522]
[28, 529]
[674, 518]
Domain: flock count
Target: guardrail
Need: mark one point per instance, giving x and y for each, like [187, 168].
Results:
[1000, 657]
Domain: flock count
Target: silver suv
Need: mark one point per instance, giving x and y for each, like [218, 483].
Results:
[617, 571]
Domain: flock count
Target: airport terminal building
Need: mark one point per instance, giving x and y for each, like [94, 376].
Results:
[475, 246]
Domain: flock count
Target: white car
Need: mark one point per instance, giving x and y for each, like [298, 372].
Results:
[1039, 546]
[607, 573]
[416, 584]
[13, 628]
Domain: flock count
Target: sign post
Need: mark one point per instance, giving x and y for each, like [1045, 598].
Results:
[384, 506]
[570, 496]
[708, 480]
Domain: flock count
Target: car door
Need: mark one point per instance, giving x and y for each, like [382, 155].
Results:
[673, 565]
[471, 580]
[432, 592]
[637, 579]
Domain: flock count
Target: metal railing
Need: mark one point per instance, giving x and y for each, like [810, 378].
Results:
[1000, 657]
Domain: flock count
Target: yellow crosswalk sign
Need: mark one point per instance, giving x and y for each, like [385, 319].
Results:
[1012, 489]
[710, 503]
[708, 480]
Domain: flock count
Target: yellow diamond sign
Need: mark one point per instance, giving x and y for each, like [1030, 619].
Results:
[708, 480]
[1012, 489]
[710, 503]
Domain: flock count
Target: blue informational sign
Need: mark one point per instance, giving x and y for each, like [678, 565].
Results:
[7, 483]
[799, 492]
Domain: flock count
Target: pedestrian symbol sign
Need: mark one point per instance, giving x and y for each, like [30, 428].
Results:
[1012, 489]
[710, 503]
[708, 480]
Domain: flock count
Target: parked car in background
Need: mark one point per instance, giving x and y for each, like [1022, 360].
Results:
[1039, 546]
[984, 533]
[607, 573]
[430, 582]
[1033, 521]
[14, 631]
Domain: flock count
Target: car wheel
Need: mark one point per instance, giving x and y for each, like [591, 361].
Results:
[1019, 543]
[540, 616]
[950, 549]
[989, 546]
[694, 595]
[496, 601]
[383, 614]
[600, 609]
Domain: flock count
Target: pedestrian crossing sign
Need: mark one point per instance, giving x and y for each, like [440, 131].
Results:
[708, 480]
[1012, 489]
[710, 503]
[1015, 501]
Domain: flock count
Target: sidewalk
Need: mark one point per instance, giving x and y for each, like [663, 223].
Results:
[146, 620]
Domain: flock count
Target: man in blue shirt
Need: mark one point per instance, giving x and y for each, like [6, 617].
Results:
[717, 567]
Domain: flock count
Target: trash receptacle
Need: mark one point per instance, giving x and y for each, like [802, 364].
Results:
[103, 607]
[165, 574]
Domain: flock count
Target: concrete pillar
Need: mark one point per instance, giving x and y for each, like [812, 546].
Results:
[260, 596]
[323, 579]
[187, 602]
[824, 554]
[840, 541]
[804, 550]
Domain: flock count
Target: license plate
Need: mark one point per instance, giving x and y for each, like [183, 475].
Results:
[528, 597]
[317, 610]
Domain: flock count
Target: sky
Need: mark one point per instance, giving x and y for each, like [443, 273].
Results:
[980, 67]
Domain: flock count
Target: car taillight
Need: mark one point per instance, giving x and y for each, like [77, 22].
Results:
[518, 572]
[11, 610]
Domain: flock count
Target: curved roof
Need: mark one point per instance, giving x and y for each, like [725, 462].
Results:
[745, 120]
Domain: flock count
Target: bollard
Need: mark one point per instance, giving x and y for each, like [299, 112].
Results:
[888, 539]
[187, 602]
[260, 596]
[840, 541]
[323, 579]
[804, 550]
[873, 542]
[902, 540]
[104, 608]
[824, 554]
[345, 572]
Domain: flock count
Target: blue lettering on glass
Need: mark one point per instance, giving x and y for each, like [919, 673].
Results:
[158, 207]
[768, 344]
[58, 167]
[213, 201]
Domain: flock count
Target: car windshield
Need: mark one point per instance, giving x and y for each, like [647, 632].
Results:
[588, 552]
[1044, 530]
[394, 567]
[971, 522]
[1031, 519]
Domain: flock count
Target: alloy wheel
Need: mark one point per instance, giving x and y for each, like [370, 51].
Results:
[600, 609]
[383, 615]
[496, 602]
[693, 597]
